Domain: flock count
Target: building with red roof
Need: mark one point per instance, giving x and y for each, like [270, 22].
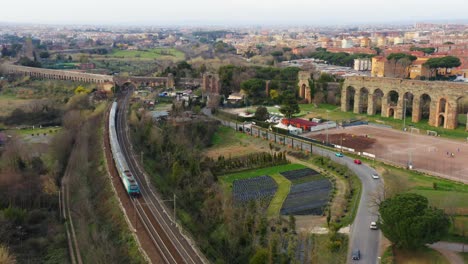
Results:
[299, 123]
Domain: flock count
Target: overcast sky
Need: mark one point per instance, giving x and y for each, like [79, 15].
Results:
[230, 12]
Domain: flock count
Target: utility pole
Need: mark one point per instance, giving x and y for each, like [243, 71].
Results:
[404, 113]
[326, 128]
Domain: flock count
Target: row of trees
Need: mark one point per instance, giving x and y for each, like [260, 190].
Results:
[339, 58]
[251, 161]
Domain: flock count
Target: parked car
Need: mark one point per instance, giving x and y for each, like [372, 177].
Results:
[357, 161]
[373, 225]
[375, 175]
[339, 154]
[356, 255]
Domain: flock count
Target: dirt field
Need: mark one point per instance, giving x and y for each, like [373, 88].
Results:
[427, 153]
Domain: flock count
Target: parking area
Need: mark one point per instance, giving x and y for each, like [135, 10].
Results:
[438, 156]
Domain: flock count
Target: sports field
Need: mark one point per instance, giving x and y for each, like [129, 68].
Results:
[427, 153]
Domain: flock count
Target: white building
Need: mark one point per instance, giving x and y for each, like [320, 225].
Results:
[362, 64]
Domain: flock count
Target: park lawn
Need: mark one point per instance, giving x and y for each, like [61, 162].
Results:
[449, 195]
[230, 178]
[421, 256]
[155, 53]
[284, 186]
[445, 199]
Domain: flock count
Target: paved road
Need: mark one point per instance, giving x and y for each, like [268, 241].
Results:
[361, 236]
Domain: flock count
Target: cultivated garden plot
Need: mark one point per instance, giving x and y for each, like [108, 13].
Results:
[309, 193]
[298, 174]
[258, 188]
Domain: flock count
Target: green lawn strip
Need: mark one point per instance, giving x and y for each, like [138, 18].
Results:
[284, 186]
[230, 178]
[445, 199]
[26, 132]
[420, 256]
[149, 53]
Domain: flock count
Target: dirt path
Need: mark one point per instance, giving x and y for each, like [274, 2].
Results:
[450, 251]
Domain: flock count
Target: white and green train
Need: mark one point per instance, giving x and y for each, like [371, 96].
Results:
[129, 182]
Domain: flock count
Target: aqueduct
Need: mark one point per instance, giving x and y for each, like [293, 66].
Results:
[42, 73]
[439, 102]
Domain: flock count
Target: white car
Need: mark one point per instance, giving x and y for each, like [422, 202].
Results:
[373, 225]
[375, 175]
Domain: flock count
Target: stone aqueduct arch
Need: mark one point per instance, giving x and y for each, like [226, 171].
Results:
[96, 78]
[56, 74]
[444, 98]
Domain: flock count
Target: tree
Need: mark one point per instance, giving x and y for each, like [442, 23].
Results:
[442, 63]
[404, 60]
[81, 90]
[289, 106]
[44, 55]
[260, 257]
[409, 222]
[254, 88]
[261, 113]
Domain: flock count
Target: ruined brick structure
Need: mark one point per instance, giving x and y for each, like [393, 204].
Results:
[392, 97]
[211, 84]
[304, 87]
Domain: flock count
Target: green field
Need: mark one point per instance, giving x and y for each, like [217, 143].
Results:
[226, 136]
[284, 186]
[450, 196]
[155, 53]
[422, 256]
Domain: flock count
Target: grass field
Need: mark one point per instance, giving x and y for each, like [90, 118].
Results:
[423, 256]
[155, 53]
[448, 195]
[229, 143]
[10, 102]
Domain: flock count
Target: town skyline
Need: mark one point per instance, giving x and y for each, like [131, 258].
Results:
[243, 12]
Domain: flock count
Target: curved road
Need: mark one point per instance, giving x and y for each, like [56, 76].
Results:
[361, 236]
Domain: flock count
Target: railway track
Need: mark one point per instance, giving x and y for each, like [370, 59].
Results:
[172, 245]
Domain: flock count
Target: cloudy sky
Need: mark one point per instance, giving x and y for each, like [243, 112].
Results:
[183, 12]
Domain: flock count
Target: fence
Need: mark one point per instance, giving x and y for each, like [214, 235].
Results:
[330, 124]
[291, 141]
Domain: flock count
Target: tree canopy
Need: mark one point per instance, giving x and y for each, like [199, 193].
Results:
[400, 56]
[409, 222]
[261, 113]
[425, 50]
[289, 105]
[254, 87]
[443, 62]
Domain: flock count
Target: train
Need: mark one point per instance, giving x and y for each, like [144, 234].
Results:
[130, 184]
